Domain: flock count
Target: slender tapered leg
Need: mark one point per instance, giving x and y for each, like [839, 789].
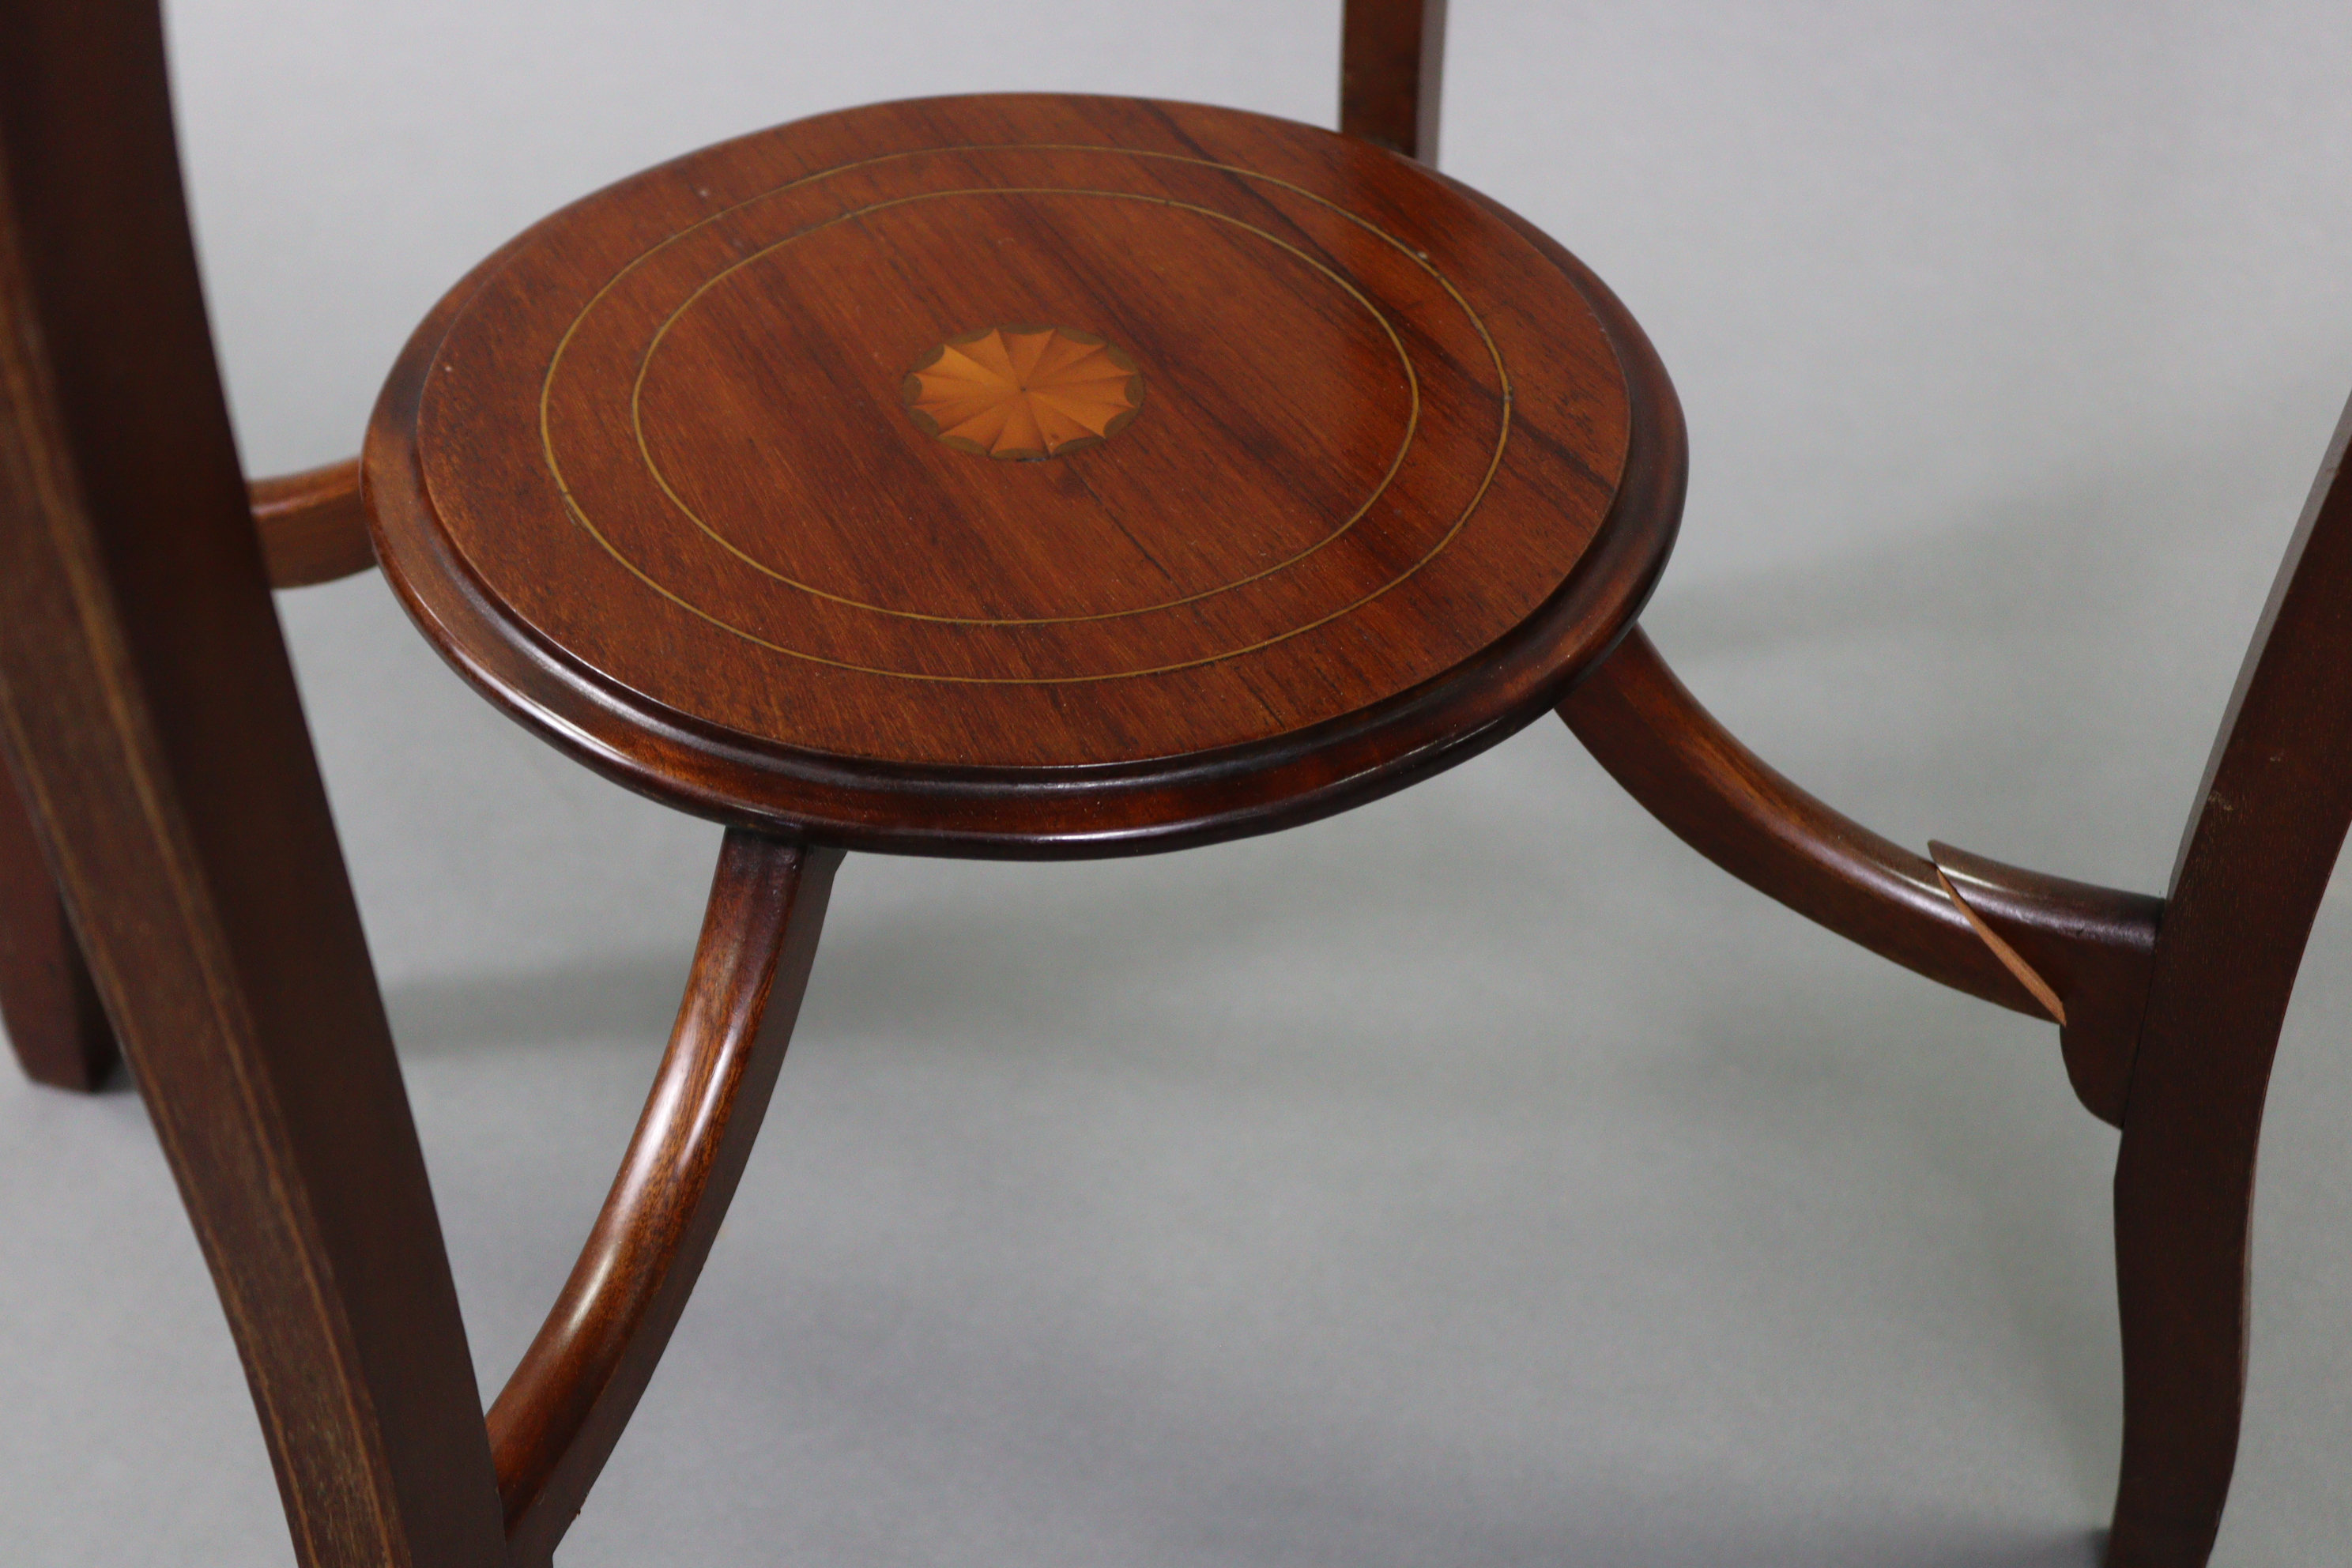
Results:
[2269, 822]
[148, 710]
[2184, 1201]
[1391, 66]
[55, 1021]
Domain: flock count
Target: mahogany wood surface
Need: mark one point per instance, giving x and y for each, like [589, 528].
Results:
[2268, 825]
[312, 529]
[312, 526]
[1391, 68]
[152, 719]
[652, 479]
[56, 1024]
[1367, 475]
[556, 1422]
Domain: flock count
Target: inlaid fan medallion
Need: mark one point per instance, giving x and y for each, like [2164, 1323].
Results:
[1024, 392]
[673, 477]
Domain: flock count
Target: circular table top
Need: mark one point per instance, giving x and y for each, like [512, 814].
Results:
[1026, 475]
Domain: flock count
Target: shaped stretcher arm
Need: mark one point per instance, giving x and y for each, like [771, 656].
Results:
[555, 1424]
[312, 526]
[2075, 953]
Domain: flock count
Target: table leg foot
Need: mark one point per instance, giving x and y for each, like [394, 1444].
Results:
[55, 1021]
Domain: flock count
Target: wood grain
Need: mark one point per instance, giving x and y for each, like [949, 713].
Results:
[2269, 822]
[152, 719]
[556, 1422]
[649, 482]
[1391, 66]
[657, 479]
[312, 526]
[56, 1024]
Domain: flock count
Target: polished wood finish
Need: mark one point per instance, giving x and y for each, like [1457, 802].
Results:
[1393, 59]
[2070, 951]
[2089, 945]
[312, 529]
[1391, 63]
[1726, 802]
[146, 701]
[2171, 1008]
[55, 1021]
[1715, 794]
[2093, 948]
[152, 722]
[312, 526]
[647, 483]
[2269, 822]
[2051, 1003]
[555, 1424]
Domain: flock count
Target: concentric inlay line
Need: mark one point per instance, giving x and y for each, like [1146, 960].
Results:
[661, 334]
[575, 509]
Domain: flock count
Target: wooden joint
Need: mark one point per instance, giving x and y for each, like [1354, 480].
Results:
[2026, 976]
[2088, 951]
[2076, 954]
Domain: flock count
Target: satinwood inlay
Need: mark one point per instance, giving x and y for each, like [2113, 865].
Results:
[1024, 394]
[686, 475]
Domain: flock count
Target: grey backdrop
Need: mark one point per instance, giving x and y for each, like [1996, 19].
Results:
[1477, 1179]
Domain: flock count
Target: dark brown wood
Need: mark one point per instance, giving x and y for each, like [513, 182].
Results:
[313, 530]
[554, 1425]
[151, 714]
[1724, 802]
[1392, 65]
[2269, 822]
[56, 1023]
[2075, 954]
[1719, 797]
[2185, 1051]
[653, 481]
[312, 526]
[2093, 946]
[1010, 476]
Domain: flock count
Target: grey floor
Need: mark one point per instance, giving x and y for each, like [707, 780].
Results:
[1478, 1178]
